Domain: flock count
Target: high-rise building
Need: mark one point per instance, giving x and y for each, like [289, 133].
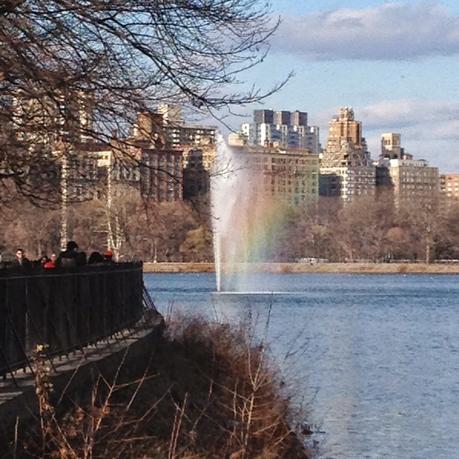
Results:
[391, 147]
[161, 174]
[414, 182]
[160, 167]
[346, 169]
[410, 181]
[50, 128]
[149, 128]
[449, 189]
[197, 145]
[282, 129]
[44, 120]
[344, 129]
[140, 161]
[263, 117]
[196, 176]
[194, 145]
[178, 134]
[299, 118]
[171, 113]
[286, 175]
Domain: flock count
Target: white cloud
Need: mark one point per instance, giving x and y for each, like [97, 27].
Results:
[396, 114]
[447, 131]
[392, 31]
[430, 130]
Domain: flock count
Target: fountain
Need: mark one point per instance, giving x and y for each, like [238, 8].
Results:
[245, 220]
[227, 185]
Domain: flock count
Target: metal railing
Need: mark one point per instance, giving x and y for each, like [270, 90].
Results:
[65, 309]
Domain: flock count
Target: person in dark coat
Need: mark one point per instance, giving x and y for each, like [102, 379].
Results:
[21, 261]
[69, 257]
[41, 261]
[95, 258]
[81, 258]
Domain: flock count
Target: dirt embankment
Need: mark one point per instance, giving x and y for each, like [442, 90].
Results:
[335, 268]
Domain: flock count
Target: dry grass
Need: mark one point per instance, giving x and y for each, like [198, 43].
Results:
[207, 391]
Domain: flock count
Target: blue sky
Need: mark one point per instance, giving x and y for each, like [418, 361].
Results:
[395, 62]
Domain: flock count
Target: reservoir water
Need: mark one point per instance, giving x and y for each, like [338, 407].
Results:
[374, 357]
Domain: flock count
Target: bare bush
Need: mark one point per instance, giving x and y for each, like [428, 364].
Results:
[208, 390]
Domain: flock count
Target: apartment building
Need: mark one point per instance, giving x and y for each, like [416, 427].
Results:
[285, 175]
[346, 169]
[414, 181]
[283, 129]
[449, 189]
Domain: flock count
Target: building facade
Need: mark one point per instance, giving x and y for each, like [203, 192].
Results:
[40, 120]
[391, 147]
[180, 135]
[347, 182]
[290, 176]
[197, 144]
[196, 174]
[449, 189]
[161, 174]
[346, 169]
[158, 166]
[94, 170]
[410, 181]
[414, 182]
[283, 129]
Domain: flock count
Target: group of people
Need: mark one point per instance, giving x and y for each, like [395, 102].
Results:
[71, 257]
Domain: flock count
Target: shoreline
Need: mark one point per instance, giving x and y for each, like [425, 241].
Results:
[324, 268]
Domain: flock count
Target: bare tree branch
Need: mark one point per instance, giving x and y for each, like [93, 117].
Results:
[77, 71]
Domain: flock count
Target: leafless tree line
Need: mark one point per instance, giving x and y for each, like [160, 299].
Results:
[372, 229]
[367, 229]
[144, 229]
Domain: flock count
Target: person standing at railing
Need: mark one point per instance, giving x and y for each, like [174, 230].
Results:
[71, 257]
[41, 261]
[21, 261]
[108, 257]
[68, 257]
[51, 263]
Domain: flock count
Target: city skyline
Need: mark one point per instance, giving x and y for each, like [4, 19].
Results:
[375, 56]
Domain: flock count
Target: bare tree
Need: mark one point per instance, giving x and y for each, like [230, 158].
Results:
[362, 226]
[448, 241]
[424, 222]
[73, 71]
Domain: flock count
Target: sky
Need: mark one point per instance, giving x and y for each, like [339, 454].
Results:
[395, 62]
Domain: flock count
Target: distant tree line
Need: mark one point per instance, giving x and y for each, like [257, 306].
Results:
[143, 229]
[368, 229]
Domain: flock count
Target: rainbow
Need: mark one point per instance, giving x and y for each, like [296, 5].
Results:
[248, 222]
